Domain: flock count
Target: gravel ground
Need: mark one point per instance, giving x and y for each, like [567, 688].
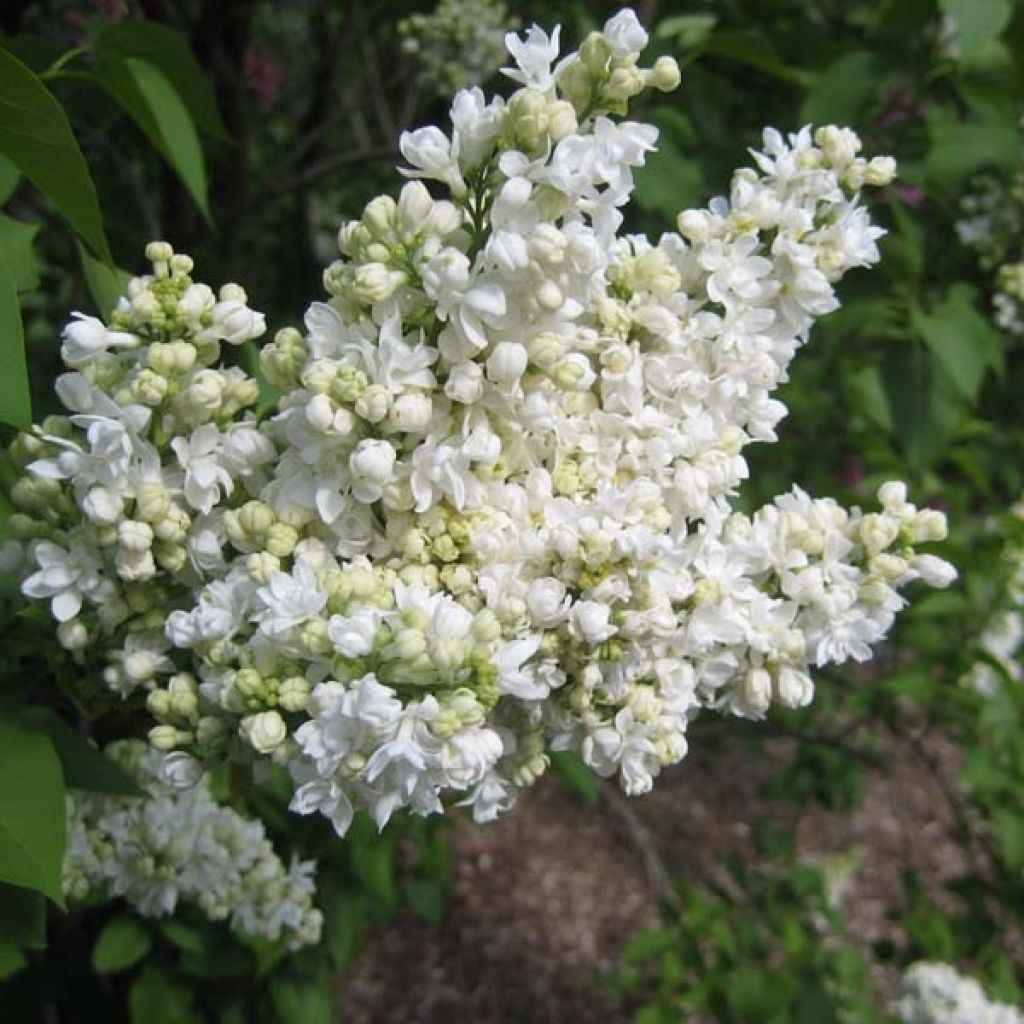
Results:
[545, 900]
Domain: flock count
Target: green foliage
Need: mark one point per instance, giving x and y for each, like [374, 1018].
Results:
[31, 811]
[765, 948]
[123, 942]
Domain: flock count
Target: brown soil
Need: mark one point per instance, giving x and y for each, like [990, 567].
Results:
[545, 900]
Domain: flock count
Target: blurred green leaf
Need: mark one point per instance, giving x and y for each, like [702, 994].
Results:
[9, 178]
[168, 50]
[18, 252]
[301, 1000]
[978, 22]
[155, 997]
[36, 137]
[32, 812]
[22, 917]
[151, 101]
[15, 400]
[576, 776]
[842, 90]
[122, 943]
[753, 48]
[83, 764]
[961, 340]
[106, 282]
[12, 960]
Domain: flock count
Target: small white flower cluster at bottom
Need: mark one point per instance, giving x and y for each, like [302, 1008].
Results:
[180, 846]
[934, 993]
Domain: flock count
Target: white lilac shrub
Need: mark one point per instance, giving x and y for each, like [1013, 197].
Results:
[179, 845]
[490, 515]
[460, 42]
[992, 224]
[1002, 638]
[934, 993]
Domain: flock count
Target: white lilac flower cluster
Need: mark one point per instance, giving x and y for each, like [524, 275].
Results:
[179, 846]
[459, 43]
[490, 516]
[1002, 639]
[935, 993]
[993, 225]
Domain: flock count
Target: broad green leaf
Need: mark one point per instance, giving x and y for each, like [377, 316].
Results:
[686, 30]
[154, 997]
[16, 248]
[866, 393]
[83, 764]
[15, 400]
[22, 917]
[753, 48]
[301, 1000]
[978, 22]
[12, 960]
[9, 178]
[151, 101]
[842, 90]
[36, 137]
[106, 282]
[576, 776]
[962, 148]
[343, 922]
[169, 51]
[122, 943]
[961, 340]
[926, 410]
[32, 812]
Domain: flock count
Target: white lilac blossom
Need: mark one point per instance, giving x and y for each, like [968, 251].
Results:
[992, 225]
[1002, 637]
[459, 43]
[935, 993]
[176, 845]
[490, 516]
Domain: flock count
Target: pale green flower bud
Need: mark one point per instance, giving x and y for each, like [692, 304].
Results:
[151, 502]
[375, 403]
[665, 76]
[261, 565]
[281, 540]
[265, 731]
[134, 535]
[164, 737]
[293, 693]
[72, 635]
[159, 252]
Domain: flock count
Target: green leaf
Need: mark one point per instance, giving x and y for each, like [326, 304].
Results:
[752, 47]
[122, 943]
[576, 776]
[962, 147]
[22, 917]
[301, 1000]
[1010, 827]
[106, 282]
[15, 399]
[154, 997]
[83, 764]
[16, 248]
[343, 923]
[9, 178]
[842, 90]
[866, 393]
[36, 137]
[169, 51]
[32, 812]
[961, 340]
[978, 22]
[12, 960]
[151, 101]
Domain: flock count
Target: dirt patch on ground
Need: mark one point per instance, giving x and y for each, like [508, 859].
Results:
[545, 900]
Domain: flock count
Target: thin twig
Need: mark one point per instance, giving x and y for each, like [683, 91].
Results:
[641, 837]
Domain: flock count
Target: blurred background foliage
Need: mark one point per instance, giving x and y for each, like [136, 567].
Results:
[245, 131]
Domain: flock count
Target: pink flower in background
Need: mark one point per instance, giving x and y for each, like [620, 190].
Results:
[852, 473]
[901, 106]
[911, 195]
[264, 76]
